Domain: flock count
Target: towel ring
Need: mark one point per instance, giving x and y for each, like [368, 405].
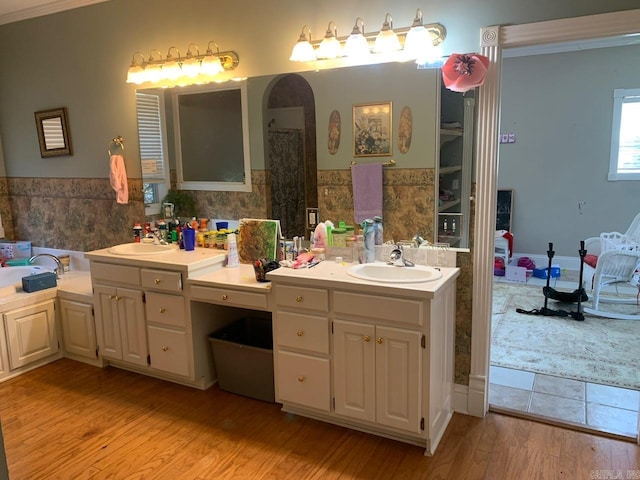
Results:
[119, 141]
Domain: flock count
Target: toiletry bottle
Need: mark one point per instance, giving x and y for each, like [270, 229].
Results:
[162, 229]
[137, 232]
[377, 225]
[369, 235]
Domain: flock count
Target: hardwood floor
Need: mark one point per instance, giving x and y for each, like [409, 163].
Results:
[68, 420]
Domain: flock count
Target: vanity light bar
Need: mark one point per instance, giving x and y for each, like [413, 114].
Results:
[193, 67]
[418, 42]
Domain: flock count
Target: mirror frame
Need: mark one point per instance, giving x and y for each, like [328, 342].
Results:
[493, 40]
[46, 150]
[182, 184]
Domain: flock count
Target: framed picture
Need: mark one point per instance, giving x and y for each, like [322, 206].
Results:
[372, 129]
[53, 132]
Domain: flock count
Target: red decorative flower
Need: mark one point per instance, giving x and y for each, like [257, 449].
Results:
[463, 72]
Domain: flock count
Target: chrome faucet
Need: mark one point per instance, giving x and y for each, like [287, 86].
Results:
[396, 258]
[156, 237]
[59, 270]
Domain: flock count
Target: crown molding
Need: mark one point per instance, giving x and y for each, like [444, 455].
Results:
[26, 12]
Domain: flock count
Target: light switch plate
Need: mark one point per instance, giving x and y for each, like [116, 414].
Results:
[512, 138]
[312, 218]
[504, 138]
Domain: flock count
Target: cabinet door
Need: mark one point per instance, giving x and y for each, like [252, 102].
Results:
[107, 324]
[168, 350]
[353, 369]
[78, 328]
[132, 326]
[398, 378]
[4, 359]
[31, 333]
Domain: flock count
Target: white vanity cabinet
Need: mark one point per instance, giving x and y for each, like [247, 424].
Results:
[78, 328]
[143, 315]
[302, 367]
[31, 333]
[169, 341]
[377, 374]
[375, 357]
[120, 324]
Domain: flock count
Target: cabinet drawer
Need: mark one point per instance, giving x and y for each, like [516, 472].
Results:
[162, 280]
[304, 380]
[168, 350]
[165, 309]
[224, 296]
[305, 332]
[119, 274]
[302, 297]
[379, 308]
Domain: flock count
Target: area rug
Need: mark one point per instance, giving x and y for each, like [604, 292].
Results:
[596, 350]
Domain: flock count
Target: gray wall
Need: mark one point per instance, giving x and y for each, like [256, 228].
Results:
[560, 107]
[79, 58]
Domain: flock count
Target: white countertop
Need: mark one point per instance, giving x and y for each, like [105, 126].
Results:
[174, 259]
[242, 277]
[329, 271]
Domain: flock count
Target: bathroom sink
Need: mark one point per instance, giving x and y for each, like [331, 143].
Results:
[135, 249]
[381, 272]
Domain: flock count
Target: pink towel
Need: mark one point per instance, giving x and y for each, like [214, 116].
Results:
[118, 179]
[367, 190]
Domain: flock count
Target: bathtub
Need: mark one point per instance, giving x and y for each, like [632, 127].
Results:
[11, 278]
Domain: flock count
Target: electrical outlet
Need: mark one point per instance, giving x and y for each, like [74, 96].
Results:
[512, 138]
[504, 138]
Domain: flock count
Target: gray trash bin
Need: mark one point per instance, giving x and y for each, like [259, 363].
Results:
[243, 355]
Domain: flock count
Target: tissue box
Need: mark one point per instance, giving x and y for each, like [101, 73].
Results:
[19, 249]
[39, 281]
[542, 272]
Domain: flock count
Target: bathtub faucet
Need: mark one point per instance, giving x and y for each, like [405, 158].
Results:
[59, 269]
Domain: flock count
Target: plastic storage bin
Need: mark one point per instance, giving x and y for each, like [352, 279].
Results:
[243, 355]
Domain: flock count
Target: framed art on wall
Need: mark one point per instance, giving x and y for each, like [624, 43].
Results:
[53, 132]
[372, 129]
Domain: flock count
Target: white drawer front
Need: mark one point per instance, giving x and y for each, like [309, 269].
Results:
[304, 380]
[379, 308]
[165, 309]
[162, 280]
[305, 332]
[168, 350]
[302, 297]
[235, 298]
[118, 274]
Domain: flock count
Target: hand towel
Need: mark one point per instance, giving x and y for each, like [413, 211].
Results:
[118, 179]
[367, 190]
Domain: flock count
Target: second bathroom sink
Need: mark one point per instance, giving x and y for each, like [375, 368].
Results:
[381, 272]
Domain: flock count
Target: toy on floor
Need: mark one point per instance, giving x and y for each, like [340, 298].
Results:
[577, 296]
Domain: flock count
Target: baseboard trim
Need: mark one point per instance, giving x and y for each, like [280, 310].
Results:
[461, 398]
[566, 263]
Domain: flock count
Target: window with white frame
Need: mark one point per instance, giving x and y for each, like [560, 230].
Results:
[625, 135]
[152, 150]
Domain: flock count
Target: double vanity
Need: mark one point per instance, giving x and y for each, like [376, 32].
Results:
[351, 344]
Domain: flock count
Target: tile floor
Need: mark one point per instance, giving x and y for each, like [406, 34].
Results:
[599, 407]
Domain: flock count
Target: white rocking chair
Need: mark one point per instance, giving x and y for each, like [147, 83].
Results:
[618, 261]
